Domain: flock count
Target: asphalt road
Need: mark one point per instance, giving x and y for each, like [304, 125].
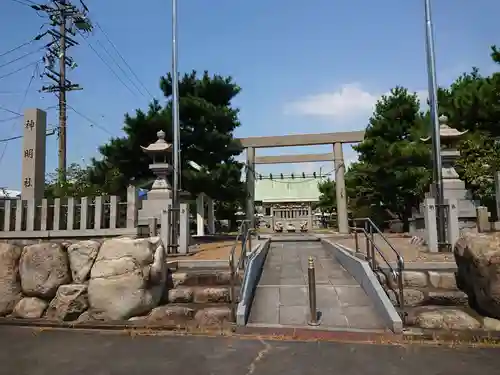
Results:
[61, 352]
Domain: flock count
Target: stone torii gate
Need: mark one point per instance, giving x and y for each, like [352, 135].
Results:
[335, 139]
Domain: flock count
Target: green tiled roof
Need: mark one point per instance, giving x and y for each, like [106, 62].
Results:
[296, 189]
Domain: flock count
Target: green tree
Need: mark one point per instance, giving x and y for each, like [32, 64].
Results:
[479, 159]
[473, 103]
[78, 183]
[364, 199]
[393, 163]
[327, 199]
[207, 123]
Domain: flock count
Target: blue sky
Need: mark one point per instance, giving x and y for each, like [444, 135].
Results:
[303, 68]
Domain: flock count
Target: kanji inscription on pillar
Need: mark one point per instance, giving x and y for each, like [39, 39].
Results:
[33, 154]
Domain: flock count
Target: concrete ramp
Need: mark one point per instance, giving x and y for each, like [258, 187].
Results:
[281, 298]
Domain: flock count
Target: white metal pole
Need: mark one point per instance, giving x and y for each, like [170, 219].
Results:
[176, 131]
[436, 140]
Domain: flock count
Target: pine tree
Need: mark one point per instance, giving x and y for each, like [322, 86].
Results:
[393, 168]
[207, 123]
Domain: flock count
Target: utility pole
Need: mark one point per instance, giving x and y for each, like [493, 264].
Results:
[65, 19]
[61, 152]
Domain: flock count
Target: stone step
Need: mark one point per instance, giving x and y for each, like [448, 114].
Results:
[200, 294]
[184, 315]
[438, 297]
[201, 277]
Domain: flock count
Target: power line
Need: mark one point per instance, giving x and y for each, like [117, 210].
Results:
[20, 69]
[120, 67]
[28, 3]
[21, 57]
[48, 133]
[35, 71]
[10, 111]
[109, 67]
[21, 45]
[92, 122]
[10, 118]
[123, 59]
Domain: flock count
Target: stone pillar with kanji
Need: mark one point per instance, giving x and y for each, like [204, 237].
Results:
[33, 154]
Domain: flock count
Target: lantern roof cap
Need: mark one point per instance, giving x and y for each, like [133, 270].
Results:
[445, 131]
[159, 146]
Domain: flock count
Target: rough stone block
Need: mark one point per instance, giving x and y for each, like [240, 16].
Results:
[10, 287]
[30, 308]
[69, 303]
[211, 295]
[213, 316]
[412, 297]
[447, 298]
[180, 295]
[442, 280]
[171, 315]
[447, 319]
[414, 279]
[491, 324]
[43, 269]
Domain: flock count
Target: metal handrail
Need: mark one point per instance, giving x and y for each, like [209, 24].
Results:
[370, 249]
[233, 269]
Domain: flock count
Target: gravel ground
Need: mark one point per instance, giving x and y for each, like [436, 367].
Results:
[409, 252]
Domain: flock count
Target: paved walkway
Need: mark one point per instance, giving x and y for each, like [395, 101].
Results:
[33, 352]
[282, 296]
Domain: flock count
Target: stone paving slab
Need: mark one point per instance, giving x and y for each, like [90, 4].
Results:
[282, 295]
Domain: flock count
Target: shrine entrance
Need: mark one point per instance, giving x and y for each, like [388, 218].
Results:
[335, 139]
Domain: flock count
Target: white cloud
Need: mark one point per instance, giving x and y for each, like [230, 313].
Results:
[349, 101]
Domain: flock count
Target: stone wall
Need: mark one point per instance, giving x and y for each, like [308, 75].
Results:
[114, 279]
[424, 287]
[434, 301]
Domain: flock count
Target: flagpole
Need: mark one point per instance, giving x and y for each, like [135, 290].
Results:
[175, 130]
[434, 112]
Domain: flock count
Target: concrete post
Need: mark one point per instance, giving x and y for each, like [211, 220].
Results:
[251, 186]
[340, 192]
[132, 203]
[33, 157]
[453, 225]
[497, 193]
[200, 215]
[310, 217]
[483, 222]
[210, 215]
[184, 229]
[431, 224]
[165, 228]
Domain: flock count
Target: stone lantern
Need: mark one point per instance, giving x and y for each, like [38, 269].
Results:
[453, 186]
[159, 151]
[160, 195]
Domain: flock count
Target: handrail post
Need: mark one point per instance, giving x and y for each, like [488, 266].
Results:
[367, 240]
[372, 248]
[249, 234]
[311, 278]
[232, 289]
[401, 291]
[356, 239]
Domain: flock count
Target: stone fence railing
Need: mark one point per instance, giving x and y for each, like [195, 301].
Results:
[99, 216]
